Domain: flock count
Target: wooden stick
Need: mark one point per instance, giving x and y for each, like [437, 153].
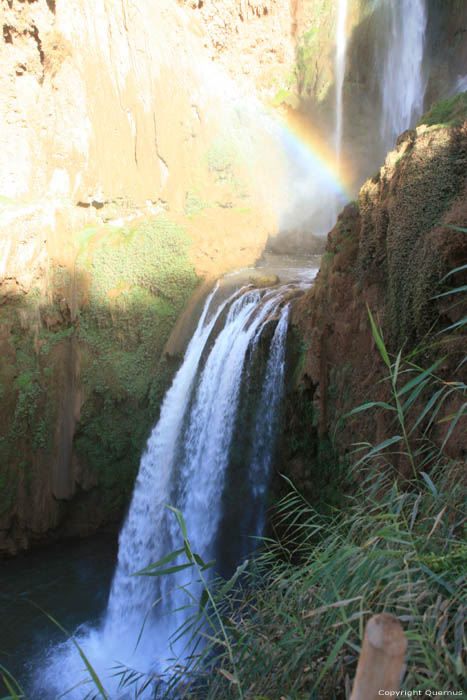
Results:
[381, 658]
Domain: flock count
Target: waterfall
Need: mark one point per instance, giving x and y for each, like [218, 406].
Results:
[186, 461]
[402, 83]
[341, 49]
[186, 464]
[267, 419]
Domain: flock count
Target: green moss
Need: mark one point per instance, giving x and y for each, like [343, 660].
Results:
[326, 262]
[452, 112]
[284, 96]
[221, 157]
[83, 237]
[312, 50]
[140, 281]
[130, 285]
[395, 249]
[194, 204]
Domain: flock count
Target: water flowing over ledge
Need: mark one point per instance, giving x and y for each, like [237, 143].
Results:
[210, 456]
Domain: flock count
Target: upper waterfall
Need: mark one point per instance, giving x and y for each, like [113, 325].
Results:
[402, 81]
[341, 48]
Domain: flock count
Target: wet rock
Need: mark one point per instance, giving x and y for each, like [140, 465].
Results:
[264, 281]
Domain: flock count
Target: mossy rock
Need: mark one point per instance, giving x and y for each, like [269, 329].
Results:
[264, 281]
[452, 112]
[140, 280]
[106, 323]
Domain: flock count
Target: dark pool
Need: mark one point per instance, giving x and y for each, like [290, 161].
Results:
[69, 580]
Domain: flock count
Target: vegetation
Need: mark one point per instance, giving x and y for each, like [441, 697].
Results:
[289, 623]
[401, 252]
[128, 288]
[140, 282]
[452, 112]
[295, 618]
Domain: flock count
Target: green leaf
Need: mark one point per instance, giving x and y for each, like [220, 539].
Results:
[165, 560]
[396, 366]
[416, 393]
[87, 663]
[378, 339]
[380, 447]
[420, 377]
[7, 677]
[370, 404]
[330, 660]
[232, 580]
[187, 550]
[456, 228]
[161, 572]
[203, 600]
[430, 485]
[453, 272]
[461, 412]
[427, 408]
[180, 520]
[199, 561]
[457, 290]
[437, 578]
[14, 695]
[462, 322]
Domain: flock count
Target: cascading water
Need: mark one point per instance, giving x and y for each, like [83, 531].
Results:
[402, 83]
[267, 419]
[341, 50]
[339, 72]
[186, 465]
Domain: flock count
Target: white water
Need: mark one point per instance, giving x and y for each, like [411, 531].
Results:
[460, 86]
[341, 50]
[402, 81]
[184, 465]
[267, 420]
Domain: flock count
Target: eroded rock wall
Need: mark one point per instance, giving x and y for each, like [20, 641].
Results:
[125, 178]
[388, 253]
[308, 86]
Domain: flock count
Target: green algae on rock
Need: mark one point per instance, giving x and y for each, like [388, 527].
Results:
[82, 377]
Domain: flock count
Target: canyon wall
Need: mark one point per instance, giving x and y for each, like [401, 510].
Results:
[127, 175]
[138, 158]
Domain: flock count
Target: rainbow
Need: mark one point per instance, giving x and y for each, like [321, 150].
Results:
[304, 137]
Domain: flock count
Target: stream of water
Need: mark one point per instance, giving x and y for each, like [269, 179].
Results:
[341, 49]
[401, 76]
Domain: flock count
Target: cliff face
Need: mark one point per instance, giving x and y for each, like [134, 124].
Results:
[388, 252]
[125, 176]
[135, 159]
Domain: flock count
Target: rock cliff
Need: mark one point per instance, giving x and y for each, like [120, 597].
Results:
[127, 174]
[388, 252]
